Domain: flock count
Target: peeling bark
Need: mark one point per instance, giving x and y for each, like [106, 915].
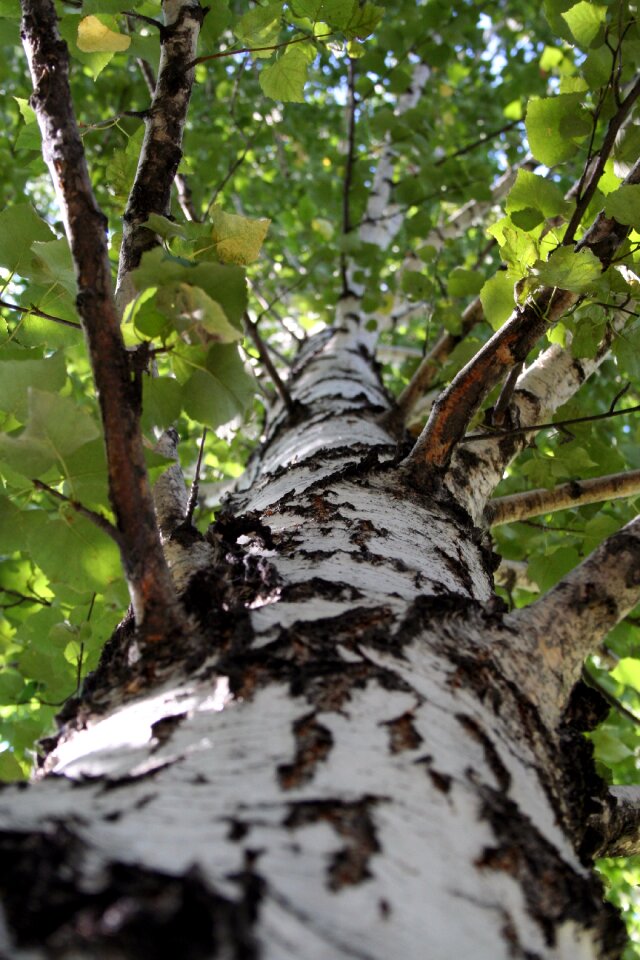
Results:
[344, 764]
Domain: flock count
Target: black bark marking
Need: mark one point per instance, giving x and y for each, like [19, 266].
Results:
[133, 912]
[162, 730]
[403, 734]
[491, 755]
[554, 892]
[441, 781]
[353, 822]
[313, 745]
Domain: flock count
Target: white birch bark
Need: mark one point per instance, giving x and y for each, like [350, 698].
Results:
[345, 768]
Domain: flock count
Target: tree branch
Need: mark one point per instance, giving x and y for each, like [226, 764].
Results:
[454, 409]
[41, 313]
[185, 197]
[432, 362]
[584, 199]
[575, 493]
[161, 150]
[548, 383]
[195, 486]
[619, 824]
[565, 625]
[252, 329]
[274, 46]
[151, 588]
[95, 518]
[348, 170]
[552, 425]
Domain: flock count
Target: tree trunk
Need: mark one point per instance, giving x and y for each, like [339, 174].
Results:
[339, 763]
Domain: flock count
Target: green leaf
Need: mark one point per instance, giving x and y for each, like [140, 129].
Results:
[626, 350]
[567, 270]
[552, 123]
[220, 392]
[285, 79]
[627, 671]
[588, 334]
[531, 191]
[260, 27]
[56, 427]
[52, 264]
[335, 13]
[585, 21]
[73, 553]
[364, 21]
[11, 685]
[547, 569]
[20, 369]
[217, 20]
[10, 769]
[624, 204]
[20, 226]
[464, 283]
[161, 402]
[165, 228]
[597, 67]
[224, 283]
[497, 299]
[194, 314]
[417, 285]
[102, 6]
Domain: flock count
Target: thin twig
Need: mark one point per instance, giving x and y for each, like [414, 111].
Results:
[22, 598]
[592, 681]
[506, 394]
[274, 46]
[41, 313]
[239, 160]
[195, 486]
[607, 146]
[140, 16]
[252, 328]
[477, 143]
[96, 518]
[348, 172]
[559, 424]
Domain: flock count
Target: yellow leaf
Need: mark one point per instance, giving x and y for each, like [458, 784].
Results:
[237, 239]
[95, 37]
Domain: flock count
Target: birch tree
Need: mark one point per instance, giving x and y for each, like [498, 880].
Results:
[319, 458]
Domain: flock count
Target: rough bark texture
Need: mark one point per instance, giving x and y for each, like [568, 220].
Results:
[344, 766]
[117, 372]
[161, 150]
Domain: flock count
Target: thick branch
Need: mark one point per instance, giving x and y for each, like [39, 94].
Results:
[620, 825]
[162, 145]
[185, 197]
[456, 406]
[548, 383]
[432, 362]
[147, 575]
[575, 493]
[571, 619]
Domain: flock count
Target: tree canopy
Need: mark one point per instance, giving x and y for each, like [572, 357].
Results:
[447, 158]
